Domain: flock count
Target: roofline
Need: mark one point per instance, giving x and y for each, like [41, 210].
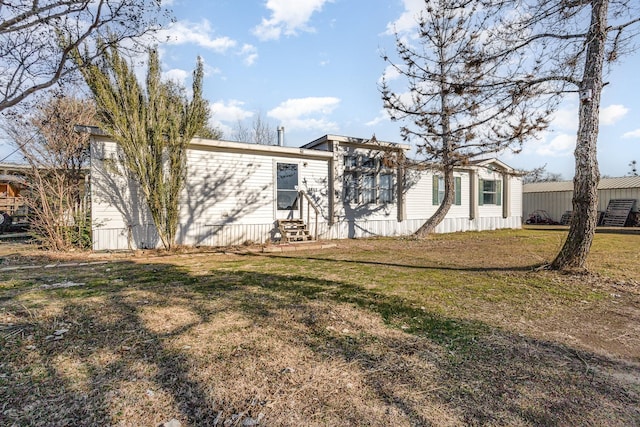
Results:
[354, 140]
[484, 162]
[202, 143]
[16, 166]
[567, 185]
[92, 130]
[220, 145]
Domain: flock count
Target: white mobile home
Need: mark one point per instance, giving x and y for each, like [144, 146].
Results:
[340, 187]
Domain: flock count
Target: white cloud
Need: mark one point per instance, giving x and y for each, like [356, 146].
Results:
[407, 22]
[225, 115]
[560, 146]
[250, 54]
[611, 114]
[177, 75]
[566, 119]
[390, 73]
[201, 34]
[383, 116]
[632, 134]
[294, 113]
[229, 111]
[287, 17]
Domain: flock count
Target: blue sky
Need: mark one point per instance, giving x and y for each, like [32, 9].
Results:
[313, 66]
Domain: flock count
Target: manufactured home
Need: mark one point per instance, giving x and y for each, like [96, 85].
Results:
[335, 187]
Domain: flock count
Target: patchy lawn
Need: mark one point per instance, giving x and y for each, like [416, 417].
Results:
[459, 329]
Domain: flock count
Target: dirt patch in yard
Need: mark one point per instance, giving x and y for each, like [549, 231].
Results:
[455, 330]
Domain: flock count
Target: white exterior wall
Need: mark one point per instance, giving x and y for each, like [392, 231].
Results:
[230, 198]
[516, 197]
[490, 217]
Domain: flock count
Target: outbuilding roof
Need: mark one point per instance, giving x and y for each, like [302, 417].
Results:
[605, 184]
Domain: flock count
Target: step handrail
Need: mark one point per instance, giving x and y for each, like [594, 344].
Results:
[303, 196]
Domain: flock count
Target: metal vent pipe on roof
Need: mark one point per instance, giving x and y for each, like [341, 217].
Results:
[281, 136]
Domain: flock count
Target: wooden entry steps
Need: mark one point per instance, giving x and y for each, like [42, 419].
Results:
[617, 212]
[294, 230]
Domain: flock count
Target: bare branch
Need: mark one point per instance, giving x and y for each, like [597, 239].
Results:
[36, 38]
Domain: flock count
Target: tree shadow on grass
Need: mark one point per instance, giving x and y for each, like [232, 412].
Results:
[484, 375]
[399, 265]
[123, 353]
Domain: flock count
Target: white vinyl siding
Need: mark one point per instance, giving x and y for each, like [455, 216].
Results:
[231, 192]
[224, 191]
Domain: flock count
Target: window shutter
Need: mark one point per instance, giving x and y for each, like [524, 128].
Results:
[458, 191]
[480, 192]
[435, 189]
[498, 193]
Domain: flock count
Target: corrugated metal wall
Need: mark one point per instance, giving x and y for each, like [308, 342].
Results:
[558, 202]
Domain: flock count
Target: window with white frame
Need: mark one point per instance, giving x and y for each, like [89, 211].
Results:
[490, 192]
[385, 194]
[287, 186]
[368, 188]
[365, 181]
[350, 184]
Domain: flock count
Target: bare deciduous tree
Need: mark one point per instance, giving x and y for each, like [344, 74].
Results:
[58, 158]
[260, 132]
[461, 104]
[540, 174]
[578, 39]
[153, 126]
[37, 38]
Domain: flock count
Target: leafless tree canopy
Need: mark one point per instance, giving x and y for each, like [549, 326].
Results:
[37, 36]
[58, 157]
[260, 132]
[540, 174]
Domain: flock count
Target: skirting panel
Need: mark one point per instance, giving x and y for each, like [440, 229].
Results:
[146, 236]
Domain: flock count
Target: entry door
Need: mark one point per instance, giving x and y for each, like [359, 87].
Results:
[287, 190]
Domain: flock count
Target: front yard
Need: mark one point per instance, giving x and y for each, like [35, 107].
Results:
[459, 329]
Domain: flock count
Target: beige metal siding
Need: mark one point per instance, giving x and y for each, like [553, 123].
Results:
[554, 203]
[558, 202]
[619, 193]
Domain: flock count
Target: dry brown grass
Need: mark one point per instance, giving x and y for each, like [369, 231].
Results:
[456, 330]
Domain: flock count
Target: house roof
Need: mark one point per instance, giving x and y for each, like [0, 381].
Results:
[605, 184]
[12, 168]
[492, 162]
[212, 144]
[372, 142]
[265, 149]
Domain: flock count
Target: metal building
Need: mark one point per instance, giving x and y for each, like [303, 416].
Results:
[555, 197]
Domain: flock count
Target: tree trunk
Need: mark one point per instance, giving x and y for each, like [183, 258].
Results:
[573, 254]
[449, 196]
